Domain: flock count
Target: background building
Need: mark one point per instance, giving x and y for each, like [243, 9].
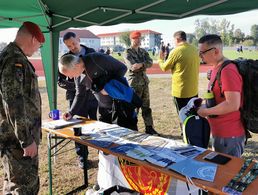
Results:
[150, 39]
[86, 38]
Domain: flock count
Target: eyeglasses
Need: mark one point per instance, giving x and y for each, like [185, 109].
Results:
[203, 52]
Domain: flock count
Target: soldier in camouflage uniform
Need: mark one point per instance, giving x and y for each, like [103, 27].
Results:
[20, 112]
[137, 61]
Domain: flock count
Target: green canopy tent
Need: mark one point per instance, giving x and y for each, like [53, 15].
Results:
[54, 16]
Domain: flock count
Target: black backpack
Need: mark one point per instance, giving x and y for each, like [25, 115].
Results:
[249, 72]
[196, 131]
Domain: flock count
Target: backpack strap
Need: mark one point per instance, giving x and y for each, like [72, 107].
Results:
[218, 77]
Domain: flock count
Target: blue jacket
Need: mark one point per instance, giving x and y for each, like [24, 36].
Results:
[120, 90]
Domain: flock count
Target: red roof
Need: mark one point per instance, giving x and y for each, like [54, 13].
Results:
[80, 33]
[118, 33]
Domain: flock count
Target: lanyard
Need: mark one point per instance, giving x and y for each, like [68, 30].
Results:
[247, 179]
[239, 174]
[238, 185]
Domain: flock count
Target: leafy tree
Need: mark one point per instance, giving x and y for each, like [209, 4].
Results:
[205, 26]
[125, 38]
[239, 36]
[195, 42]
[248, 42]
[192, 39]
[254, 33]
[220, 27]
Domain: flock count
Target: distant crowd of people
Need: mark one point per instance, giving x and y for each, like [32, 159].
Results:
[163, 48]
[108, 51]
[240, 49]
[93, 82]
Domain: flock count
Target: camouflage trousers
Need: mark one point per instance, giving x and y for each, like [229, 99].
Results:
[143, 92]
[20, 173]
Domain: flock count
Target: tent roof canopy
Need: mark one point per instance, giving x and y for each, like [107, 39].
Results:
[59, 15]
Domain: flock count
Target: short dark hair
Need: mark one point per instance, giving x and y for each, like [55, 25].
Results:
[211, 39]
[181, 34]
[68, 35]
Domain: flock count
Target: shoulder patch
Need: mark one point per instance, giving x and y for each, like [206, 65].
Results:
[19, 72]
[18, 65]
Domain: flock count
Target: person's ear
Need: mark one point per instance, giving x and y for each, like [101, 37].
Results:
[33, 40]
[216, 51]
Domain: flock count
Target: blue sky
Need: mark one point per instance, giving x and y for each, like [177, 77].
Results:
[244, 21]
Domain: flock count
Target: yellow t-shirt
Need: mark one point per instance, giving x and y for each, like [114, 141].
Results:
[184, 62]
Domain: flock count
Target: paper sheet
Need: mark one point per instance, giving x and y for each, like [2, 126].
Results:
[61, 123]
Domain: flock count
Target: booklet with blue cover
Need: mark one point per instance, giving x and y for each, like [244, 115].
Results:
[195, 169]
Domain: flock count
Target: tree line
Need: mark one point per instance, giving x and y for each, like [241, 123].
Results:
[229, 35]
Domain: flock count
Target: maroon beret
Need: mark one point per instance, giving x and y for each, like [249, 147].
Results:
[135, 35]
[34, 31]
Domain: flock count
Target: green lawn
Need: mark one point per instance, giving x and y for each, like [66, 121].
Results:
[233, 54]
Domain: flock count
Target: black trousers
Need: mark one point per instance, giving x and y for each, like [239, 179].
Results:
[82, 150]
[121, 113]
[181, 102]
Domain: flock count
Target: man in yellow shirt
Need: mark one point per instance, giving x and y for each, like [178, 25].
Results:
[183, 61]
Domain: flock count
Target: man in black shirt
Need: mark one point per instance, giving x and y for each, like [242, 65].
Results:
[99, 69]
[81, 101]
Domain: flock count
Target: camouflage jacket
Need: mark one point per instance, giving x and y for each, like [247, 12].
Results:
[132, 56]
[20, 101]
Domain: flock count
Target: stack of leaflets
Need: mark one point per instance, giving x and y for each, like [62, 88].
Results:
[61, 123]
[139, 153]
[159, 160]
[122, 149]
[189, 151]
[118, 131]
[154, 143]
[96, 126]
[103, 141]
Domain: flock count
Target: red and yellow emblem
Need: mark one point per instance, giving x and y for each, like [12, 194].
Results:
[143, 179]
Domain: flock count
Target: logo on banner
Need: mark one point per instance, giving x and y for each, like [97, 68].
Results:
[143, 179]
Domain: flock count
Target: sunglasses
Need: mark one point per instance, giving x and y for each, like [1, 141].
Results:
[203, 52]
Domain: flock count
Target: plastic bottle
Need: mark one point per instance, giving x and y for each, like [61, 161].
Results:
[210, 101]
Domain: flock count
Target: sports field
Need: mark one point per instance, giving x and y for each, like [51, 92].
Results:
[231, 54]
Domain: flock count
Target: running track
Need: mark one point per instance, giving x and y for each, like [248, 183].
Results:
[153, 70]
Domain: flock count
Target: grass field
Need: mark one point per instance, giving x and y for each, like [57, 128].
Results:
[231, 54]
[67, 175]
